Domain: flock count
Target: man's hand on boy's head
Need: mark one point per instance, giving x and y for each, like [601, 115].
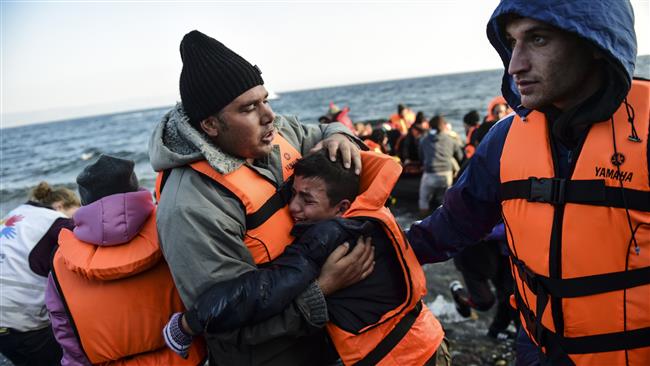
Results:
[340, 143]
[342, 269]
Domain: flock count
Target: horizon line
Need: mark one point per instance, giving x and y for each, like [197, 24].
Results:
[119, 111]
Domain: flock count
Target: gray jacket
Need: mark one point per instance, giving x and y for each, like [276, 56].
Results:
[201, 227]
[439, 151]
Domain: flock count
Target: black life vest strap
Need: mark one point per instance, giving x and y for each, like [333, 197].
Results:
[558, 345]
[582, 286]
[279, 199]
[393, 338]
[558, 191]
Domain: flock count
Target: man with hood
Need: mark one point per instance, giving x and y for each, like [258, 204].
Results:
[568, 172]
[222, 157]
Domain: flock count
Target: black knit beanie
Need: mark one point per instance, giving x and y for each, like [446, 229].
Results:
[212, 76]
[108, 175]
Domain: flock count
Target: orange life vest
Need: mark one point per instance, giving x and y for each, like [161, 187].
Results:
[266, 205]
[402, 124]
[493, 103]
[119, 298]
[469, 148]
[408, 334]
[373, 146]
[582, 290]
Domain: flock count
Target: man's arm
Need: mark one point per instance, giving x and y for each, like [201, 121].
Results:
[458, 152]
[260, 294]
[200, 230]
[471, 206]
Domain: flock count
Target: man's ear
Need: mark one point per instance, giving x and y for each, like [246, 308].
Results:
[210, 126]
[342, 206]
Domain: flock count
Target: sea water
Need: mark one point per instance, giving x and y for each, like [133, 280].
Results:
[57, 151]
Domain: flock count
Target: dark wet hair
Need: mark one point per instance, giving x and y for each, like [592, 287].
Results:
[400, 108]
[341, 183]
[437, 122]
[419, 118]
[378, 135]
[471, 118]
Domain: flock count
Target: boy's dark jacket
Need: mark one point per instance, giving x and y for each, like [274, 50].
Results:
[258, 295]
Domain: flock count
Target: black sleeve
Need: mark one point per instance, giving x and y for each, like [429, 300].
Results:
[40, 257]
[254, 296]
[263, 293]
[365, 302]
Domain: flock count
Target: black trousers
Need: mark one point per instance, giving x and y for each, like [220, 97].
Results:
[33, 348]
[479, 264]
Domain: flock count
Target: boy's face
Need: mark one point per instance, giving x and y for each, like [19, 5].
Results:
[310, 203]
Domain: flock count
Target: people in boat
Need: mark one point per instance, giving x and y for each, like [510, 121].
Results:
[440, 154]
[470, 123]
[378, 141]
[336, 114]
[331, 205]
[221, 154]
[568, 174]
[485, 267]
[402, 120]
[497, 109]
[110, 291]
[362, 130]
[27, 238]
[408, 146]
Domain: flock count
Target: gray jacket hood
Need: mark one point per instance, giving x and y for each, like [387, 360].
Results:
[176, 143]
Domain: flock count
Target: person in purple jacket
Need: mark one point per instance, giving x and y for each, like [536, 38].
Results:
[113, 211]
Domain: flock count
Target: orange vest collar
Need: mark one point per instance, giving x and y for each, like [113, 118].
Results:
[111, 262]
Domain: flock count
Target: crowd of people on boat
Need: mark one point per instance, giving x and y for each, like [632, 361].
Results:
[269, 242]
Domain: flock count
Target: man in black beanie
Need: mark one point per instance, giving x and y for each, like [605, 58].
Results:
[223, 158]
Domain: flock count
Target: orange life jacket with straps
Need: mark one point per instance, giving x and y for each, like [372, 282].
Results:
[373, 146]
[402, 124]
[119, 298]
[469, 148]
[267, 212]
[581, 246]
[408, 334]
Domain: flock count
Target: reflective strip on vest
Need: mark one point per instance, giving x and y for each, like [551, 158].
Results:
[577, 272]
[22, 304]
[267, 239]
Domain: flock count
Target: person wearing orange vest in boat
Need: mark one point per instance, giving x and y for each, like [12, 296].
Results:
[470, 122]
[497, 109]
[110, 289]
[377, 141]
[223, 157]
[403, 119]
[568, 173]
[380, 320]
[336, 114]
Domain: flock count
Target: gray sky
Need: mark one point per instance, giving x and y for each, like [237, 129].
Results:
[68, 59]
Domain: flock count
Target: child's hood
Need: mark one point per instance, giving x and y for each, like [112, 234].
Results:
[114, 219]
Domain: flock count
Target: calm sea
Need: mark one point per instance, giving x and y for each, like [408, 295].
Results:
[56, 152]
